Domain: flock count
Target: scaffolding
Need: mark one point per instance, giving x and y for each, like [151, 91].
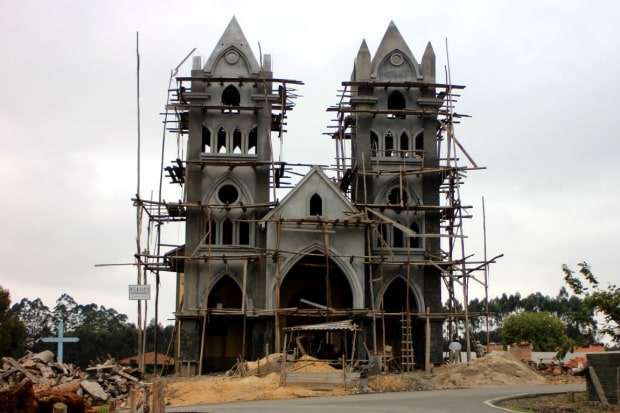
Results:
[456, 268]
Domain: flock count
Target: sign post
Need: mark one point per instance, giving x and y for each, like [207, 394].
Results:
[140, 292]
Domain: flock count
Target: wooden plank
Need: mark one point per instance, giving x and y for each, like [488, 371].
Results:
[378, 83]
[240, 79]
[405, 230]
[22, 370]
[132, 401]
[597, 386]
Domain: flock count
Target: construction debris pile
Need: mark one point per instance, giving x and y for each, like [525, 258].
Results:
[36, 380]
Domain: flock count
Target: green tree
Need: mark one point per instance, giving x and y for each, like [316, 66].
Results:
[37, 319]
[606, 301]
[12, 330]
[543, 330]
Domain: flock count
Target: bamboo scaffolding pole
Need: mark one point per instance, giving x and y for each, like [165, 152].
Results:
[305, 312]
[237, 79]
[407, 84]
[278, 281]
[370, 269]
[486, 275]
[396, 112]
[138, 209]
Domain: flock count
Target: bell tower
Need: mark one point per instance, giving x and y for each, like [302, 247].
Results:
[394, 113]
[229, 157]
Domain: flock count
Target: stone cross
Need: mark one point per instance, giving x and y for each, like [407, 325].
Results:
[60, 339]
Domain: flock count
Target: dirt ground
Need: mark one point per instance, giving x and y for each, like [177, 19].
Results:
[218, 389]
[495, 369]
[557, 403]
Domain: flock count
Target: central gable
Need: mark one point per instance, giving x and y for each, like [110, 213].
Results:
[315, 195]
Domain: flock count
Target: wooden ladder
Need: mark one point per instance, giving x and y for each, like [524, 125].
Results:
[406, 350]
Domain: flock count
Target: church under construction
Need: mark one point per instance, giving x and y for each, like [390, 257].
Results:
[373, 238]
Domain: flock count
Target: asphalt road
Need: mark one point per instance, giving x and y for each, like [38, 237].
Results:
[461, 401]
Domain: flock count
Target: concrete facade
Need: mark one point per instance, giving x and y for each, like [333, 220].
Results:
[245, 235]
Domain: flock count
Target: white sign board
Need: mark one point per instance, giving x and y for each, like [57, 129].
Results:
[140, 292]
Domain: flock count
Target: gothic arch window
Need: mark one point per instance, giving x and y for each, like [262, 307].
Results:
[374, 144]
[244, 233]
[395, 196]
[415, 241]
[221, 141]
[225, 294]
[231, 97]
[398, 238]
[227, 232]
[396, 101]
[211, 232]
[404, 145]
[252, 141]
[419, 144]
[316, 205]
[206, 140]
[237, 143]
[382, 235]
[388, 144]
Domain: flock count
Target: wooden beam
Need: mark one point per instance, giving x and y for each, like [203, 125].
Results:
[406, 230]
[598, 387]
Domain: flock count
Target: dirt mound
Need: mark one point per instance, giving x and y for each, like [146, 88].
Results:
[494, 369]
[264, 366]
[309, 364]
[389, 382]
[220, 389]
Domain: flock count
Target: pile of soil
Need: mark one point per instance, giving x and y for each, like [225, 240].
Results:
[220, 389]
[389, 383]
[494, 369]
[309, 364]
[264, 366]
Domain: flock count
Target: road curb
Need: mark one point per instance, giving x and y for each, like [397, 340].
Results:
[491, 402]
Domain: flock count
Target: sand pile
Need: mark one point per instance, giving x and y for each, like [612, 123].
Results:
[389, 382]
[494, 369]
[264, 366]
[309, 364]
[219, 389]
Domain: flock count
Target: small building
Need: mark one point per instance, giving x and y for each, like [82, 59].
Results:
[577, 357]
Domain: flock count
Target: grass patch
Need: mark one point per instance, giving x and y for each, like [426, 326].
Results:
[557, 403]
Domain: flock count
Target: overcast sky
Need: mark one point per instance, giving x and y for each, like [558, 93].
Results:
[541, 82]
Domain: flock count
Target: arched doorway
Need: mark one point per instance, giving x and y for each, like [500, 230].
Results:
[224, 334]
[310, 279]
[397, 297]
[310, 286]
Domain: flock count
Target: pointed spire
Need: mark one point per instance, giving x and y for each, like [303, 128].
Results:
[429, 50]
[362, 62]
[392, 40]
[363, 47]
[428, 63]
[233, 37]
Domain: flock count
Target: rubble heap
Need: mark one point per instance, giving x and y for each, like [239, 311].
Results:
[37, 379]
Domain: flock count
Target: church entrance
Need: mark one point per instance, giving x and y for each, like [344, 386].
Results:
[394, 304]
[224, 331]
[316, 290]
